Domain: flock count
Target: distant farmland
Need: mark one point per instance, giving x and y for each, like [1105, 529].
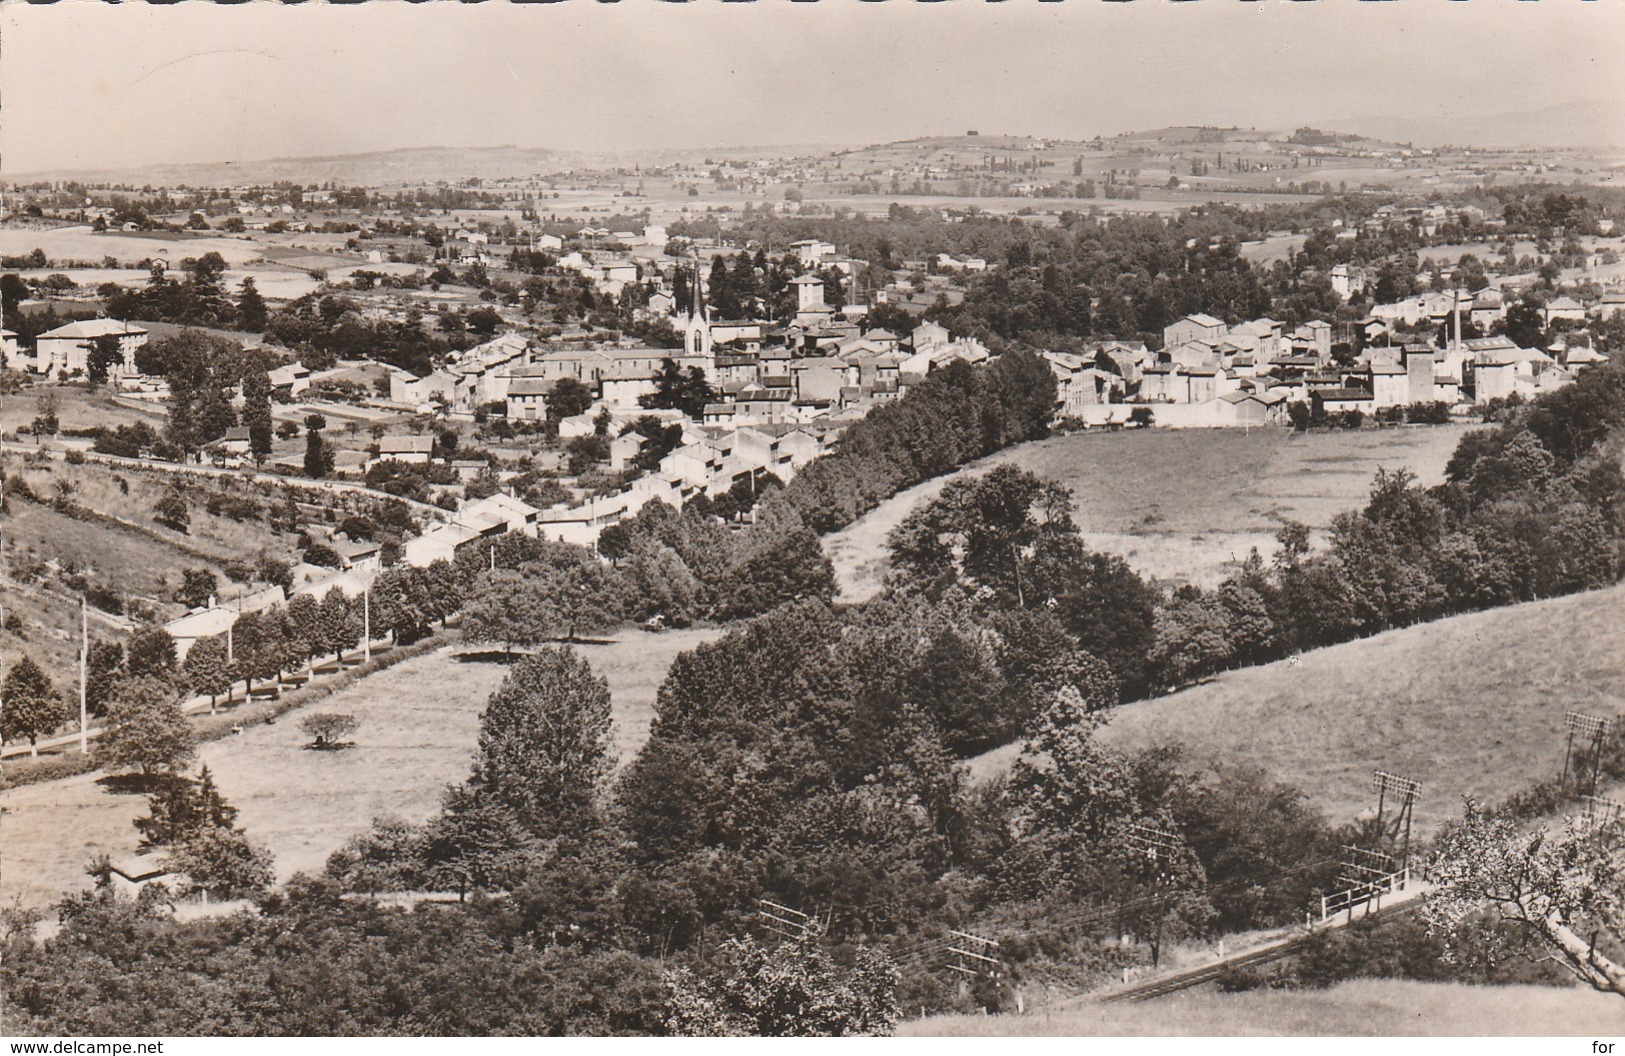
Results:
[1182, 505]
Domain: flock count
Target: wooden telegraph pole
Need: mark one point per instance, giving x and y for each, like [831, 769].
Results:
[84, 662]
[1160, 847]
[1407, 792]
[1594, 729]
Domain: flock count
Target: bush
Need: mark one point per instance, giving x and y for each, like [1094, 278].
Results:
[329, 728]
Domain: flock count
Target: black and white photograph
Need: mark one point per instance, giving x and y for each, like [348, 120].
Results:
[813, 519]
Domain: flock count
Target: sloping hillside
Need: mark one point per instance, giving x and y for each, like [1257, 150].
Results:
[1365, 1007]
[1184, 505]
[1472, 705]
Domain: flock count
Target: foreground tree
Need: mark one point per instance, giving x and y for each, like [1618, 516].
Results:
[257, 412]
[793, 990]
[544, 742]
[181, 808]
[145, 730]
[1565, 892]
[29, 705]
[222, 862]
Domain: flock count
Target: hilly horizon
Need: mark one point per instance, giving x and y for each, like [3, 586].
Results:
[1589, 123]
[1580, 124]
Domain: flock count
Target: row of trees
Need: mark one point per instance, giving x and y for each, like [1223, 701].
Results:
[958, 414]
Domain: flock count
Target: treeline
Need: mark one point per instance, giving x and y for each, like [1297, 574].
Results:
[1534, 508]
[813, 757]
[958, 414]
[323, 329]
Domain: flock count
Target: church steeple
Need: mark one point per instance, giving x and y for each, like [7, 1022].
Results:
[697, 326]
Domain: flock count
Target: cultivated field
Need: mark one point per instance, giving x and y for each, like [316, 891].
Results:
[419, 725]
[1365, 1007]
[1183, 505]
[1472, 705]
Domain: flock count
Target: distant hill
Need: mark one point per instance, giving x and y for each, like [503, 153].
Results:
[1585, 123]
[382, 168]
[375, 168]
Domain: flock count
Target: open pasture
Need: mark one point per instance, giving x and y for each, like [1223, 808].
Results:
[1182, 505]
[418, 732]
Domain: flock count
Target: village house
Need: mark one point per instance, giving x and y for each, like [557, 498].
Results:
[1563, 308]
[66, 349]
[415, 450]
[289, 380]
[1191, 328]
[527, 398]
[415, 392]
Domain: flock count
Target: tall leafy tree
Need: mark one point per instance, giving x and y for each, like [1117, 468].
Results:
[150, 653]
[206, 669]
[251, 312]
[544, 742]
[29, 704]
[104, 354]
[318, 455]
[144, 729]
[257, 413]
[679, 389]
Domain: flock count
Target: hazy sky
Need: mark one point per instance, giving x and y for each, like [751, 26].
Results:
[85, 85]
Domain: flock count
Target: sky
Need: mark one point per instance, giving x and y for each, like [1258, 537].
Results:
[85, 85]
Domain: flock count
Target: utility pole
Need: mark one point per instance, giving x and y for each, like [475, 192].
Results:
[786, 922]
[1160, 846]
[975, 956]
[366, 623]
[1594, 729]
[1364, 871]
[1407, 792]
[84, 661]
[1598, 812]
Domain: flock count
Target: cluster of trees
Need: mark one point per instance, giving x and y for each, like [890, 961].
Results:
[191, 822]
[129, 684]
[322, 329]
[519, 591]
[814, 756]
[1530, 509]
[958, 414]
[197, 300]
[344, 967]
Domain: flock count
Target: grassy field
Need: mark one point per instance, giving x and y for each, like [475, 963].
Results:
[1181, 505]
[419, 724]
[1471, 705]
[76, 409]
[1363, 1008]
